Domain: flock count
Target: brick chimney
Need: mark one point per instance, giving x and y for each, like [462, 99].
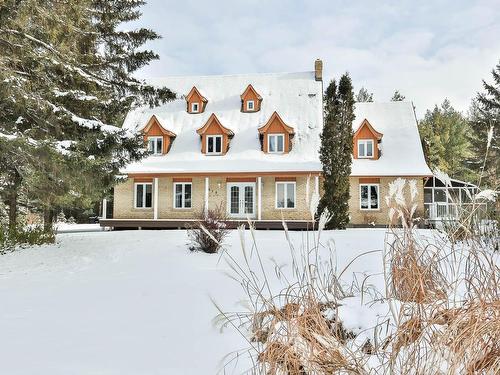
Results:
[318, 70]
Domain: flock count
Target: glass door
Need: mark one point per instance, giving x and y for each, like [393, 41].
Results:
[241, 200]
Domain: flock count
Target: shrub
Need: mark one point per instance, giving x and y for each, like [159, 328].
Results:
[24, 236]
[208, 232]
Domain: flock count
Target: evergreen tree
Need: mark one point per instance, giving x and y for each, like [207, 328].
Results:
[336, 151]
[444, 131]
[397, 97]
[364, 96]
[485, 122]
[66, 84]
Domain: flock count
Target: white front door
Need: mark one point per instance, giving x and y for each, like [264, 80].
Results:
[241, 199]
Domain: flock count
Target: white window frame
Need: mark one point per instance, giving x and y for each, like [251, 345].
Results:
[183, 201]
[285, 195]
[197, 110]
[143, 195]
[369, 197]
[155, 150]
[215, 143]
[366, 142]
[248, 105]
[275, 135]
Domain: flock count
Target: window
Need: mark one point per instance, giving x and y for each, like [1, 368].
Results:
[143, 195]
[368, 195]
[285, 194]
[365, 148]
[195, 107]
[155, 145]
[214, 144]
[276, 143]
[182, 194]
[250, 105]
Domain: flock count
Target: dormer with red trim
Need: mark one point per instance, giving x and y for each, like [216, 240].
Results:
[250, 100]
[214, 137]
[276, 136]
[367, 142]
[158, 139]
[195, 102]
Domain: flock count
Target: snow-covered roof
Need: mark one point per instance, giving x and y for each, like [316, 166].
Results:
[297, 98]
[402, 153]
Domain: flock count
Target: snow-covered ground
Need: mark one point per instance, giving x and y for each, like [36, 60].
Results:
[138, 302]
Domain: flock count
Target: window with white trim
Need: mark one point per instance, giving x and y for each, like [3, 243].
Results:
[182, 194]
[214, 144]
[365, 148]
[275, 143]
[143, 195]
[155, 145]
[285, 194]
[195, 107]
[369, 197]
[250, 105]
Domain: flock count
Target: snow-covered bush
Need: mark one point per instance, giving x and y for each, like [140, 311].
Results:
[23, 236]
[207, 233]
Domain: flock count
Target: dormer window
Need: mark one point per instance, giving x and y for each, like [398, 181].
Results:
[155, 145]
[276, 136]
[365, 148]
[366, 142]
[276, 143]
[157, 139]
[250, 100]
[214, 144]
[214, 136]
[196, 102]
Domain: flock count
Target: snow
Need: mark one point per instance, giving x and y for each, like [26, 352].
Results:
[138, 302]
[71, 228]
[297, 97]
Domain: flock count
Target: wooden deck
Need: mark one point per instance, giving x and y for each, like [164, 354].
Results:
[121, 224]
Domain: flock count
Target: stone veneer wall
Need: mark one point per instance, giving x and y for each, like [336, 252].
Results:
[124, 200]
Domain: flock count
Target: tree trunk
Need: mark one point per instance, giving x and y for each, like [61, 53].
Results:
[48, 219]
[13, 199]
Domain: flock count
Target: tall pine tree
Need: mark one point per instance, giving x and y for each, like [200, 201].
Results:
[336, 151]
[485, 122]
[66, 84]
[444, 132]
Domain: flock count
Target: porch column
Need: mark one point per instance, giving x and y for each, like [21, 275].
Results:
[155, 200]
[104, 208]
[207, 185]
[259, 198]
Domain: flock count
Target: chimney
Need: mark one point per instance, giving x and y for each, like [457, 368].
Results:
[318, 70]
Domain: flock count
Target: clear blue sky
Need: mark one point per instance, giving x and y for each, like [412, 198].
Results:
[428, 50]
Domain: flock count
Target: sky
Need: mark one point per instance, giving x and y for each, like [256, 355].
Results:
[428, 50]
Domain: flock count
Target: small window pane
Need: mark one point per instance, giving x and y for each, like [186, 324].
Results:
[427, 195]
[280, 143]
[178, 196]
[248, 199]
[235, 199]
[210, 144]
[364, 196]
[149, 195]
[374, 197]
[369, 148]
[272, 144]
[159, 145]
[151, 145]
[187, 196]
[280, 196]
[439, 195]
[361, 150]
[290, 195]
[139, 195]
[218, 144]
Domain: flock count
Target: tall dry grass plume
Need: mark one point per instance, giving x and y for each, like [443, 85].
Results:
[441, 294]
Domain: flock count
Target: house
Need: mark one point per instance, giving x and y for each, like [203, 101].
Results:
[249, 143]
